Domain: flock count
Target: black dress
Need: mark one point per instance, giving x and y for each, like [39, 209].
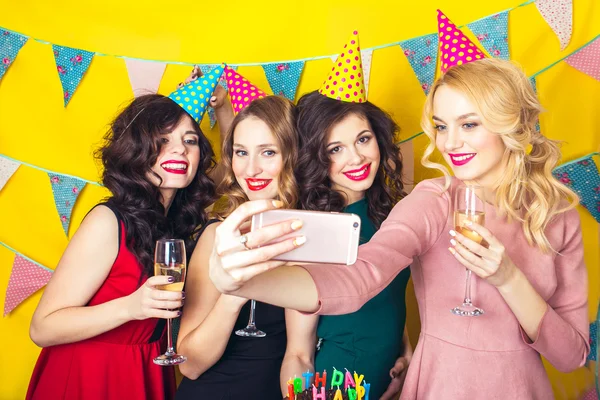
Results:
[249, 368]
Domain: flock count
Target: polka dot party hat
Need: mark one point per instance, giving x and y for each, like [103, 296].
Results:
[241, 91]
[195, 96]
[455, 47]
[345, 82]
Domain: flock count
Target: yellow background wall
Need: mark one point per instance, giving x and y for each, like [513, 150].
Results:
[35, 128]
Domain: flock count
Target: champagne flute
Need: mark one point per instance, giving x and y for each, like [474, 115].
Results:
[170, 260]
[251, 330]
[468, 206]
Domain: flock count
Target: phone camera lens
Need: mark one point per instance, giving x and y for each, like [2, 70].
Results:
[355, 225]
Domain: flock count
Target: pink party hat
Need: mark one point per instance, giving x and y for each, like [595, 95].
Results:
[241, 91]
[346, 82]
[455, 47]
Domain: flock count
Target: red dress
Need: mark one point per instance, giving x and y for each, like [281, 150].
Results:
[114, 365]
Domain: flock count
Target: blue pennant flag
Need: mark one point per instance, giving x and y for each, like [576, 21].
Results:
[284, 77]
[66, 189]
[593, 356]
[71, 64]
[205, 69]
[492, 33]
[534, 85]
[10, 44]
[422, 55]
[583, 178]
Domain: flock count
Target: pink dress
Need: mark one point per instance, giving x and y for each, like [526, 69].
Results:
[486, 357]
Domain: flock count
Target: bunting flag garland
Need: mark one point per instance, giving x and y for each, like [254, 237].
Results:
[559, 15]
[284, 77]
[421, 53]
[71, 65]
[534, 85]
[144, 76]
[10, 45]
[582, 176]
[26, 278]
[587, 59]
[7, 169]
[492, 33]
[223, 83]
[66, 189]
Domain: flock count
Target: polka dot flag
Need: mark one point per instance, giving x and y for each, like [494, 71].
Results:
[587, 60]
[10, 45]
[582, 177]
[346, 82]
[492, 33]
[26, 278]
[71, 65]
[66, 189]
[241, 91]
[195, 96]
[284, 77]
[455, 47]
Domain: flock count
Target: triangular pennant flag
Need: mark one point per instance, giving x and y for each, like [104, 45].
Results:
[211, 112]
[144, 76]
[593, 342]
[284, 77]
[10, 44]
[345, 82]
[534, 85]
[455, 47]
[421, 53]
[7, 169]
[559, 15]
[71, 65]
[241, 91]
[492, 33]
[583, 177]
[66, 189]
[26, 278]
[587, 59]
[195, 96]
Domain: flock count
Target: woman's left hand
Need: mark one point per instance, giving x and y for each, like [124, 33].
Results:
[491, 263]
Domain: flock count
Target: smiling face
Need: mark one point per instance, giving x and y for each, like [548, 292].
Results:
[178, 160]
[354, 155]
[473, 152]
[257, 160]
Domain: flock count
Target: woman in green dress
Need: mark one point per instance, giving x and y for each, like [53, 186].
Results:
[348, 162]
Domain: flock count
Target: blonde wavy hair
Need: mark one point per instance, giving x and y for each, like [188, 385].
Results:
[527, 191]
[279, 114]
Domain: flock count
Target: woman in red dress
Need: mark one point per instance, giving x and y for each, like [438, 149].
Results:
[101, 318]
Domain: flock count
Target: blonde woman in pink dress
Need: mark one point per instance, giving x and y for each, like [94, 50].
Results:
[531, 280]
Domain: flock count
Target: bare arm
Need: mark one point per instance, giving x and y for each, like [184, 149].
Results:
[208, 316]
[62, 315]
[300, 351]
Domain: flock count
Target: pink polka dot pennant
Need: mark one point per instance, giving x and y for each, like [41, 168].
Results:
[26, 278]
[455, 47]
[587, 60]
[241, 91]
[345, 82]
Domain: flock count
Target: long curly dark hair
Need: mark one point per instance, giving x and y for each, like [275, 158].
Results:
[131, 148]
[317, 115]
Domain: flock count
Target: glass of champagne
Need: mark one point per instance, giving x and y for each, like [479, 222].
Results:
[251, 330]
[468, 206]
[170, 260]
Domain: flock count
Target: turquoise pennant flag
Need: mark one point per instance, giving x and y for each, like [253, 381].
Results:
[582, 176]
[284, 77]
[66, 189]
[71, 65]
[421, 53]
[10, 45]
[534, 85]
[492, 33]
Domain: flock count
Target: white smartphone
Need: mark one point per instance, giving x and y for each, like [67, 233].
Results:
[331, 237]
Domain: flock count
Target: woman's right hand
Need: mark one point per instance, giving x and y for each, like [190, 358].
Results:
[232, 262]
[150, 302]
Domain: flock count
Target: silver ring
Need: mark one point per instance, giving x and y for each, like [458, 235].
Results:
[244, 241]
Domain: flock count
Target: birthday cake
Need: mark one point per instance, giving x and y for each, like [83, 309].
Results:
[342, 387]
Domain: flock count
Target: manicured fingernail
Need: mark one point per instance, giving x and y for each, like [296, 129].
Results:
[468, 223]
[453, 242]
[183, 295]
[452, 233]
[300, 240]
[171, 279]
[278, 203]
[296, 225]
[393, 375]
[451, 250]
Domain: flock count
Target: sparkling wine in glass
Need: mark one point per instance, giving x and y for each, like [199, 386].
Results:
[251, 330]
[170, 260]
[468, 206]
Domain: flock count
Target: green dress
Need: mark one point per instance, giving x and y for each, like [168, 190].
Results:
[369, 340]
